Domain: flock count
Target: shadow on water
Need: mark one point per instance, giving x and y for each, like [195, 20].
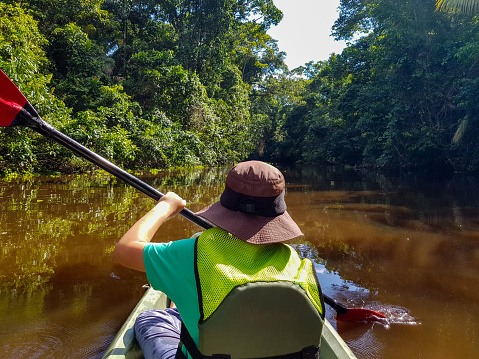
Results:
[405, 244]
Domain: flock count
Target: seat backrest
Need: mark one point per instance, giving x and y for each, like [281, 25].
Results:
[261, 319]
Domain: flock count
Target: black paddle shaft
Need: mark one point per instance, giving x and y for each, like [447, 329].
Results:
[45, 129]
[19, 112]
[51, 132]
[339, 308]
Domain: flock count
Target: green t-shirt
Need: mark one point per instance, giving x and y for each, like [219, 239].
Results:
[170, 269]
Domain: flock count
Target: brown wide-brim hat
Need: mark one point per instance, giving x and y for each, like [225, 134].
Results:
[252, 206]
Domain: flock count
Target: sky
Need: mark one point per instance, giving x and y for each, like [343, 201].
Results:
[305, 31]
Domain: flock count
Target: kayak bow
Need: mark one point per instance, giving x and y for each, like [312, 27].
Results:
[125, 346]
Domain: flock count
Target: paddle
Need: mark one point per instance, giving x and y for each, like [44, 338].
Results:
[15, 110]
[345, 314]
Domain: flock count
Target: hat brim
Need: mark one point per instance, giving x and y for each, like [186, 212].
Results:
[250, 228]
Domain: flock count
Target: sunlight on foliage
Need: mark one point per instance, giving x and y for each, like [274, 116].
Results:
[465, 6]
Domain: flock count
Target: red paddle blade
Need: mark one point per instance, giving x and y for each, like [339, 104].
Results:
[8, 112]
[12, 102]
[361, 315]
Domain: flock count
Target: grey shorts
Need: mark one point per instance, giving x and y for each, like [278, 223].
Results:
[158, 333]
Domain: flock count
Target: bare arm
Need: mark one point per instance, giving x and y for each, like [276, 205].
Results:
[129, 250]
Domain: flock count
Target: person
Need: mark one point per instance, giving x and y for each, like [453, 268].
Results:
[236, 286]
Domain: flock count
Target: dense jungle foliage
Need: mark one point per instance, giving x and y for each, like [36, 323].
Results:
[160, 83]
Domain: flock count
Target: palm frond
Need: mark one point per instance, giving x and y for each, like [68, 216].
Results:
[464, 6]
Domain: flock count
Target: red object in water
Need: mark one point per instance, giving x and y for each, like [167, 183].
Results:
[361, 315]
[345, 314]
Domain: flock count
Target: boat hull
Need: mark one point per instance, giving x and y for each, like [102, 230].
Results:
[125, 346]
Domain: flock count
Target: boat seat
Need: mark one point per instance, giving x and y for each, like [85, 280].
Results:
[262, 319]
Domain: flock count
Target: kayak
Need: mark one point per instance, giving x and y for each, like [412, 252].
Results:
[125, 346]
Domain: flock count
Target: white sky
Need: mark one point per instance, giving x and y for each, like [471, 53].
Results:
[305, 31]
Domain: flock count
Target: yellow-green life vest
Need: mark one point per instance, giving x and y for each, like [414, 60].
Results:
[239, 285]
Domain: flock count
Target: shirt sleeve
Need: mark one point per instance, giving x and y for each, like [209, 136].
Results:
[170, 269]
[169, 266]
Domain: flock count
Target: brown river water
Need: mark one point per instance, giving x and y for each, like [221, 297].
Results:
[407, 245]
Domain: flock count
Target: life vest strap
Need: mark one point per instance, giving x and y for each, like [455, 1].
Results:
[311, 352]
[189, 343]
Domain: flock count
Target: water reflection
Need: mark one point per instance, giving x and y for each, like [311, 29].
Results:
[404, 244]
[57, 279]
[412, 242]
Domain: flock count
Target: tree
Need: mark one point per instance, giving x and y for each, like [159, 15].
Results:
[77, 65]
[255, 53]
[272, 101]
[171, 76]
[22, 59]
[397, 96]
